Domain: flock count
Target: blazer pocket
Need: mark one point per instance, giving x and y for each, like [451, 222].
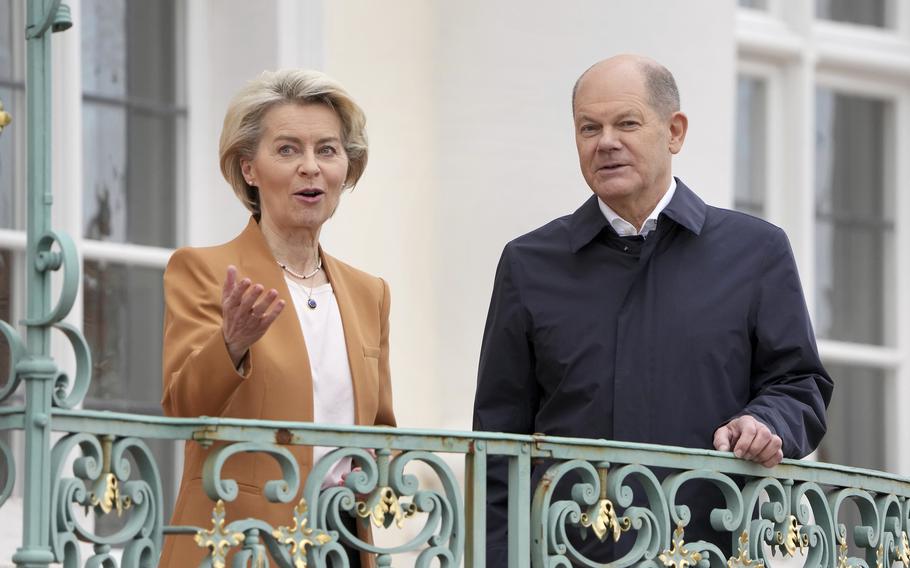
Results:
[373, 352]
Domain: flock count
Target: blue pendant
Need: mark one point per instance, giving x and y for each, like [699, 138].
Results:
[311, 303]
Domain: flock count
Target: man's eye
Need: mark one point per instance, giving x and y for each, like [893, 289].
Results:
[628, 124]
[588, 128]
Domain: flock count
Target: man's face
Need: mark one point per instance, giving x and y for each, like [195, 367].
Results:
[624, 145]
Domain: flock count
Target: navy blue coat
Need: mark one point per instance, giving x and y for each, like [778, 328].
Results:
[658, 340]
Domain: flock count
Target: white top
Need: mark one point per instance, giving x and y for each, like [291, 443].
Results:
[624, 228]
[333, 390]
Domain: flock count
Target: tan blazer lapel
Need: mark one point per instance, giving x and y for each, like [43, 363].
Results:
[352, 334]
[284, 338]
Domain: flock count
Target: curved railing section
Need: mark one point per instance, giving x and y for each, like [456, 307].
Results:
[595, 503]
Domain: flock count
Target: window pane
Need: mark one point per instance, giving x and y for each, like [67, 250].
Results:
[854, 223]
[131, 122]
[755, 4]
[856, 418]
[6, 314]
[104, 47]
[751, 137]
[7, 160]
[864, 12]
[104, 198]
[124, 309]
[6, 39]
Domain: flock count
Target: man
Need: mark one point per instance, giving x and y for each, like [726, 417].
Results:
[646, 315]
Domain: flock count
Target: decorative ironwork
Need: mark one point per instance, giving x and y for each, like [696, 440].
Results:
[110, 499]
[742, 560]
[218, 539]
[842, 559]
[904, 551]
[603, 521]
[677, 555]
[299, 537]
[793, 540]
[386, 509]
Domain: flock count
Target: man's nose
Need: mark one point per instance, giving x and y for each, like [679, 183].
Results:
[609, 140]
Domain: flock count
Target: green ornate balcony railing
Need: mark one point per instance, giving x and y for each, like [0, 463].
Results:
[100, 464]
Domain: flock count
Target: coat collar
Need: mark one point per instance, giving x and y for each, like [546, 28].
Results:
[686, 209]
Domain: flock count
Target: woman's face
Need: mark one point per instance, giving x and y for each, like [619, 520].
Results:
[299, 167]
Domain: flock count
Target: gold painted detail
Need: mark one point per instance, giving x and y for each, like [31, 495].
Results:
[743, 560]
[794, 539]
[387, 508]
[605, 521]
[903, 553]
[217, 539]
[678, 556]
[842, 555]
[880, 556]
[5, 117]
[109, 488]
[299, 537]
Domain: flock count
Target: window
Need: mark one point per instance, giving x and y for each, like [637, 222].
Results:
[12, 139]
[750, 162]
[822, 110]
[866, 13]
[854, 219]
[132, 142]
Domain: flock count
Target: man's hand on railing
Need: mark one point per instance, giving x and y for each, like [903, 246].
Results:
[749, 439]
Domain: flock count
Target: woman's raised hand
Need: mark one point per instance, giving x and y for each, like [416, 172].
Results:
[246, 313]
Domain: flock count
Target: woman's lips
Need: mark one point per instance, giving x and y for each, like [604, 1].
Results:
[309, 195]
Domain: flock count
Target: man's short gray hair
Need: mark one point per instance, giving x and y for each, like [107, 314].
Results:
[663, 94]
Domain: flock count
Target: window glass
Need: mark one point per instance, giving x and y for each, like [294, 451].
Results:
[131, 121]
[754, 4]
[8, 202]
[6, 39]
[856, 425]
[123, 311]
[854, 222]
[6, 314]
[864, 12]
[751, 136]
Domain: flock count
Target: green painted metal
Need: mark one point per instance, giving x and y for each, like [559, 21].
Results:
[796, 509]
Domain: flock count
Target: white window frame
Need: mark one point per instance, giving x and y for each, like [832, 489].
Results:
[796, 53]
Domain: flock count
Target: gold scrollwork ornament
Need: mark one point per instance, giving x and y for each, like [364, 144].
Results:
[904, 554]
[605, 521]
[842, 561]
[218, 539]
[387, 509]
[299, 537]
[743, 560]
[109, 488]
[794, 539]
[678, 556]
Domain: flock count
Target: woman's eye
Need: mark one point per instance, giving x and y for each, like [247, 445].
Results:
[328, 151]
[286, 150]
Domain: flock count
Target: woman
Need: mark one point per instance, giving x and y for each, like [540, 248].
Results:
[269, 326]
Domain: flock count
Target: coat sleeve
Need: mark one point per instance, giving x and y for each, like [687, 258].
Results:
[507, 396]
[385, 415]
[198, 375]
[790, 388]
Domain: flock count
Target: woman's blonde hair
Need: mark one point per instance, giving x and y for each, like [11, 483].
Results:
[242, 128]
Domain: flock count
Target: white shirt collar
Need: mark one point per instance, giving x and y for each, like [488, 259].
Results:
[624, 228]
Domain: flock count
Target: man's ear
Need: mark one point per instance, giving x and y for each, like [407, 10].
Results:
[679, 124]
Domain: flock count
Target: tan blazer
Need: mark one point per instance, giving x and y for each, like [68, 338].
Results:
[200, 380]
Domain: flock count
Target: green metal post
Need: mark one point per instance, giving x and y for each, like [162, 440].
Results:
[476, 505]
[37, 369]
[520, 508]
